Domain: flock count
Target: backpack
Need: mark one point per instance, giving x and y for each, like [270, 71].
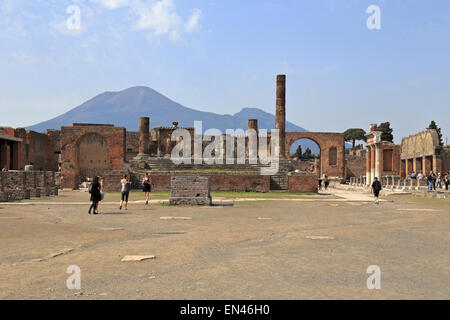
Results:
[127, 187]
[90, 188]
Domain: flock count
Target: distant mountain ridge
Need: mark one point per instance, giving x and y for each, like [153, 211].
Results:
[124, 109]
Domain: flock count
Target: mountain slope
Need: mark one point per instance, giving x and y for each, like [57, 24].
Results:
[125, 107]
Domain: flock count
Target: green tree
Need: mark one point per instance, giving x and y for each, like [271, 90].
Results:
[386, 130]
[434, 126]
[298, 153]
[354, 134]
[307, 154]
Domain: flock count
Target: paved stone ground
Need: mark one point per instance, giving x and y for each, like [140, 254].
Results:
[309, 248]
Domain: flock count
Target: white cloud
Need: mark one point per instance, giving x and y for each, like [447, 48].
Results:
[193, 21]
[113, 4]
[161, 18]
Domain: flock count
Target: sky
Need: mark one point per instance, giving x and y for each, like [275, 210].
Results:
[224, 55]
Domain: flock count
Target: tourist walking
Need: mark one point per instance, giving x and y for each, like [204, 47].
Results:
[446, 182]
[147, 187]
[376, 188]
[96, 197]
[431, 181]
[326, 182]
[126, 188]
[439, 181]
[420, 176]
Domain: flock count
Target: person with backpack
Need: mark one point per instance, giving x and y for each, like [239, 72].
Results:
[126, 188]
[147, 187]
[96, 197]
[376, 188]
[431, 181]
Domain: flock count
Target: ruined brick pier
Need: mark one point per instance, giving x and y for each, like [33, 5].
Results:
[190, 190]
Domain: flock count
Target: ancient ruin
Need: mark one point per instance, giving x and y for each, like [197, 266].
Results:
[83, 151]
[190, 190]
[422, 152]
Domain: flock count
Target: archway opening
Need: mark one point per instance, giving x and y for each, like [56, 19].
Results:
[305, 155]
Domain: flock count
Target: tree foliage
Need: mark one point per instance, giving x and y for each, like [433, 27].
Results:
[298, 152]
[386, 130]
[354, 134]
[434, 126]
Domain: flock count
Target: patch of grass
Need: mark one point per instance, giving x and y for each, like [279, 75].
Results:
[257, 195]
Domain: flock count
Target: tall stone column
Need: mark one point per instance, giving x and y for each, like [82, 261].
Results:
[378, 161]
[368, 166]
[280, 122]
[372, 164]
[252, 142]
[144, 136]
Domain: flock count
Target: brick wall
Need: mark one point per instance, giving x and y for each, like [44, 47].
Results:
[17, 185]
[72, 167]
[355, 165]
[218, 181]
[303, 183]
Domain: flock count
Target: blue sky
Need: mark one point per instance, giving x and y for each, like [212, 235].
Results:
[221, 56]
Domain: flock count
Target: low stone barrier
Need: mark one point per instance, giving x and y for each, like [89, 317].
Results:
[18, 185]
[229, 182]
[303, 182]
[190, 190]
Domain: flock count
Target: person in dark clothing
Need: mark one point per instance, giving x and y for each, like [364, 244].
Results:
[147, 187]
[446, 182]
[327, 183]
[376, 188]
[96, 196]
[320, 184]
[431, 181]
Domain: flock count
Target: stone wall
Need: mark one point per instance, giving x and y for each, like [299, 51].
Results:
[132, 145]
[355, 165]
[80, 157]
[190, 190]
[17, 185]
[218, 181]
[304, 183]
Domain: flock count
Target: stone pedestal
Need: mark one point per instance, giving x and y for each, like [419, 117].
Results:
[190, 190]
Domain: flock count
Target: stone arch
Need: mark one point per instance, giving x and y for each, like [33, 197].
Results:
[92, 155]
[306, 165]
[325, 141]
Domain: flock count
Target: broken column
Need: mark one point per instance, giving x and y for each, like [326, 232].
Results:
[144, 136]
[280, 122]
[253, 141]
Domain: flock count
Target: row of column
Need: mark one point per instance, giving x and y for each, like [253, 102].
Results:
[373, 163]
[424, 164]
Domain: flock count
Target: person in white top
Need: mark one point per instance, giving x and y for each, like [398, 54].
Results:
[126, 187]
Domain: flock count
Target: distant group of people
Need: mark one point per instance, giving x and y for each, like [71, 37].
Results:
[97, 195]
[435, 181]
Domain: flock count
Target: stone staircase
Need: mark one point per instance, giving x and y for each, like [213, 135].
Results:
[279, 181]
[166, 165]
